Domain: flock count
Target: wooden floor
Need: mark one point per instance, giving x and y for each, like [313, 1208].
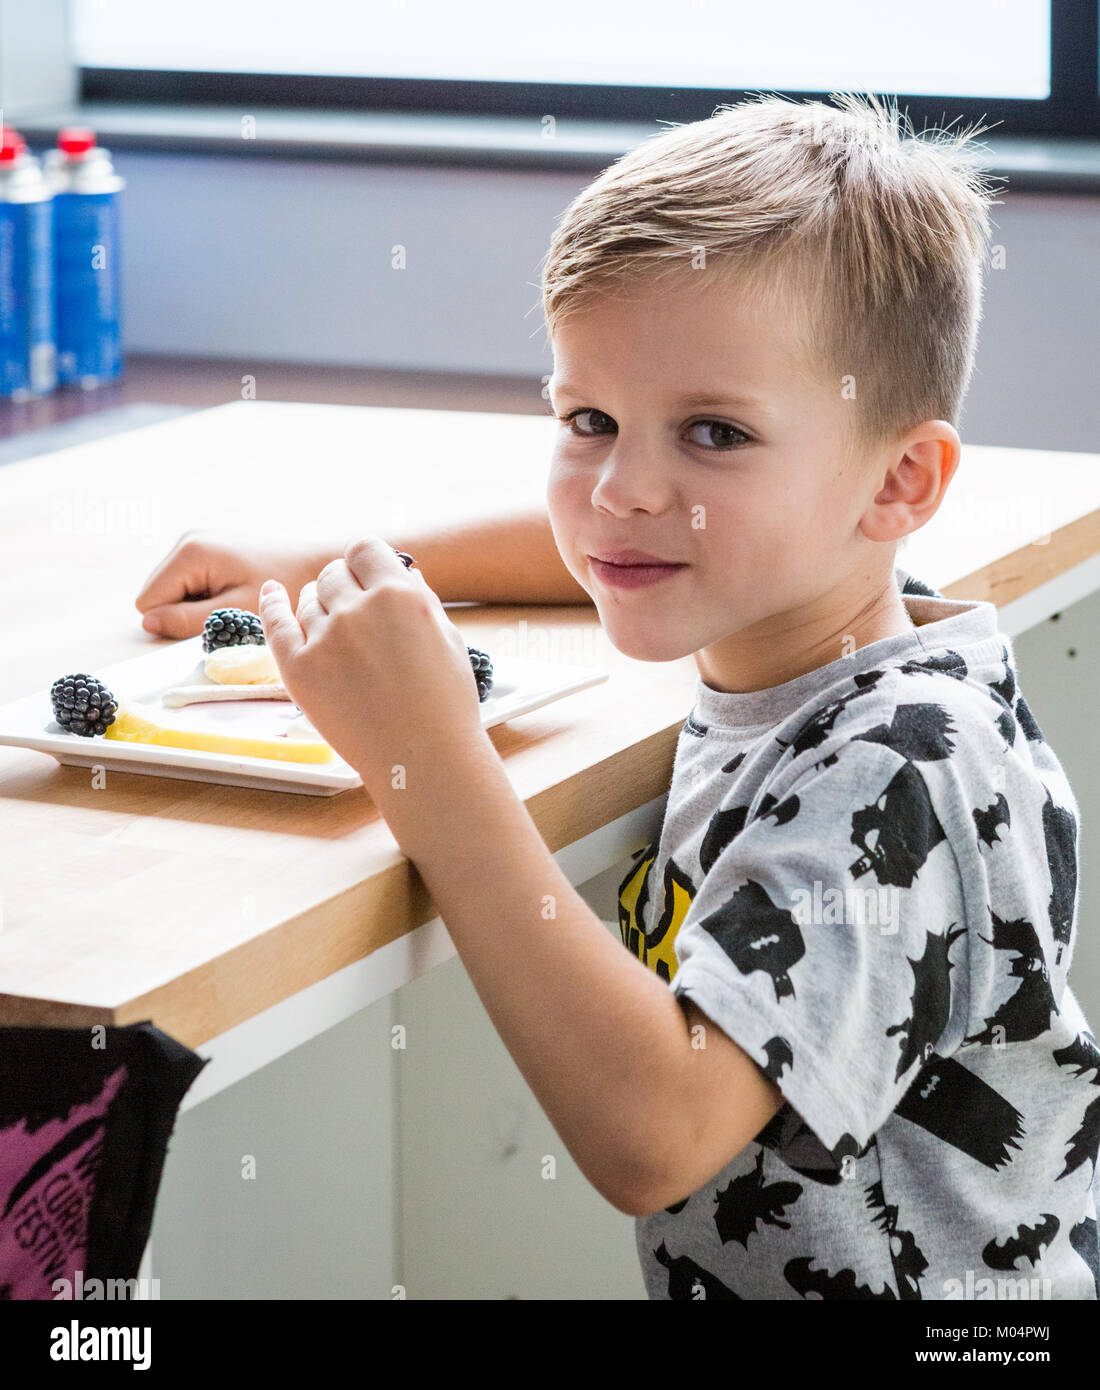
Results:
[198, 382]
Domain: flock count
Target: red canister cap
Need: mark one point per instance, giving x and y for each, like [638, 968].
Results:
[76, 140]
[12, 144]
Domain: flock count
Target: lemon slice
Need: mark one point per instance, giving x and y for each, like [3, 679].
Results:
[136, 723]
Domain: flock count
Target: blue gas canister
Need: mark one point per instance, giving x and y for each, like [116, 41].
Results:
[28, 350]
[87, 266]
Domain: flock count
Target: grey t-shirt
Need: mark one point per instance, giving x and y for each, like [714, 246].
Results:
[866, 877]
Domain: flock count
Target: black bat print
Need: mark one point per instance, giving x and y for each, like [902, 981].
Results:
[930, 1007]
[783, 811]
[988, 821]
[748, 1200]
[909, 1262]
[722, 828]
[820, 724]
[757, 935]
[1005, 688]
[1006, 727]
[1084, 1142]
[947, 664]
[796, 1145]
[677, 1207]
[920, 733]
[685, 1277]
[875, 1197]
[904, 828]
[1082, 1055]
[954, 1105]
[1083, 1239]
[1059, 832]
[1032, 732]
[779, 1056]
[734, 763]
[1027, 1012]
[1028, 1243]
[805, 1280]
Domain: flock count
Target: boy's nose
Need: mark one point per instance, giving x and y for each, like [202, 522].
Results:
[631, 484]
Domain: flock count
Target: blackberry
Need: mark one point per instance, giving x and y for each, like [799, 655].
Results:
[482, 668]
[82, 704]
[232, 627]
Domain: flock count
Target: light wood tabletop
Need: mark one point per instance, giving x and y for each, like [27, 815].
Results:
[199, 905]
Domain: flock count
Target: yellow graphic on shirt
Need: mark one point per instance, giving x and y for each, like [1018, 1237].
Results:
[654, 948]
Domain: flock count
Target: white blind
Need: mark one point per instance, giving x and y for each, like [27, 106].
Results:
[964, 48]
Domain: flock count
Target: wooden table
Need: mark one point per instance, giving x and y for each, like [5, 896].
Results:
[245, 922]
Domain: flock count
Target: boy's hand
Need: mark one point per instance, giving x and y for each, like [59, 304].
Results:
[376, 664]
[204, 571]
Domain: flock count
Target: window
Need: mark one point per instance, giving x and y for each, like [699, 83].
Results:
[1030, 64]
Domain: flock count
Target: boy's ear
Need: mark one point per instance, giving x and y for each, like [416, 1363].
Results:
[915, 482]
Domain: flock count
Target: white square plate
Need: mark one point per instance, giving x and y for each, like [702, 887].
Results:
[519, 686]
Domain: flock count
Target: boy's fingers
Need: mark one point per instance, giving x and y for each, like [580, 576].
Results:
[282, 630]
[174, 620]
[370, 557]
[180, 573]
[333, 589]
[188, 618]
[309, 605]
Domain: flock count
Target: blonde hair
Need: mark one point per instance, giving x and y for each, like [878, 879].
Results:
[869, 238]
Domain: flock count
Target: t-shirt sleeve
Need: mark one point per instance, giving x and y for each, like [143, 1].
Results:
[828, 937]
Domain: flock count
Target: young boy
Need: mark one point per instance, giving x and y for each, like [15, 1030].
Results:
[839, 1058]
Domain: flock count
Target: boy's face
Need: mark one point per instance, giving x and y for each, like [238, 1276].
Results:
[758, 503]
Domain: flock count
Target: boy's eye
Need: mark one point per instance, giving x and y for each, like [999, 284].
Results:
[575, 415]
[721, 435]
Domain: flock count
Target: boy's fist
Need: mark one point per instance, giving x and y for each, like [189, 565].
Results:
[204, 571]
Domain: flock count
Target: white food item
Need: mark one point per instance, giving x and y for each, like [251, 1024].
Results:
[252, 664]
[193, 694]
[300, 727]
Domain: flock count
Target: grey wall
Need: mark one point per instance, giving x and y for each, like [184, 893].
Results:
[292, 261]
[35, 71]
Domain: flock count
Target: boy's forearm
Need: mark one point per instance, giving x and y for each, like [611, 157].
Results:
[601, 1041]
[506, 558]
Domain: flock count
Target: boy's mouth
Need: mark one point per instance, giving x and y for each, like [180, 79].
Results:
[630, 557]
[631, 569]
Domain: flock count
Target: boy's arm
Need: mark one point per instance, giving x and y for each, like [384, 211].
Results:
[507, 558]
[648, 1106]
